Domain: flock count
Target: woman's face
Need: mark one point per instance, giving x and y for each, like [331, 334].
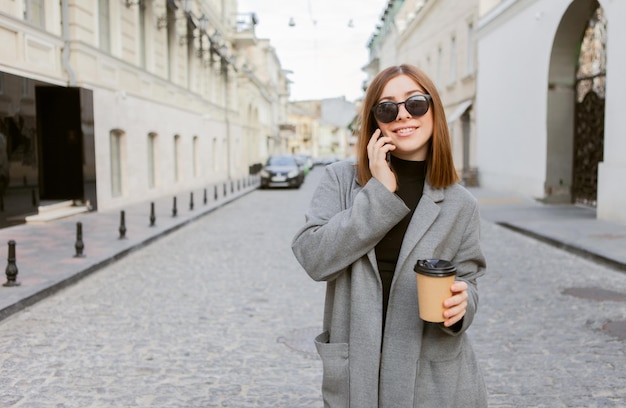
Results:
[409, 134]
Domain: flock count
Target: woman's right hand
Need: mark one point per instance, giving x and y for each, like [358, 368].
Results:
[377, 149]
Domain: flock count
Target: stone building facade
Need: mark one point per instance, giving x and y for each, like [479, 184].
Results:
[110, 102]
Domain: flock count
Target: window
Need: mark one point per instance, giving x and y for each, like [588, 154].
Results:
[171, 42]
[452, 70]
[190, 53]
[469, 59]
[142, 35]
[104, 25]
[439, 66]
[215, 156]
[117, 157]
[34, 12]
[152, 160]
[177, 161]
[194, 156]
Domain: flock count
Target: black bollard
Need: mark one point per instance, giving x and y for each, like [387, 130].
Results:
[11, 270]
[204, 199]
[225, 190]
[152, 216]
[232, 186]
[122, 225]
[215, 193]
[191, 201]
[174, 210]
[79, 245]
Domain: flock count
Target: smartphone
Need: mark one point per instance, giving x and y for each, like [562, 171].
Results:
[388, 156]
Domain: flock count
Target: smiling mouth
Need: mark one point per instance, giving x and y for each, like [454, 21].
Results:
[405, 131]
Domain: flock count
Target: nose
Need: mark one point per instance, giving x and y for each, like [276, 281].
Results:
[402, 111]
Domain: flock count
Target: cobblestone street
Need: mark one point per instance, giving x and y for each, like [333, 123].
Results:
[539, 345]
[219, 314]
[211, 315]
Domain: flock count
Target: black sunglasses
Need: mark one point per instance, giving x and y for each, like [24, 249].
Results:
[416, 105]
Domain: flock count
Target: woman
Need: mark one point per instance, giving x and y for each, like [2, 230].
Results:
[367, 226]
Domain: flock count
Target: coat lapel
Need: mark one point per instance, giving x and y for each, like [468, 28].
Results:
[425, 214]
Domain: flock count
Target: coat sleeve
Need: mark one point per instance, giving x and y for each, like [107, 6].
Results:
[339, 230]
[471, 265]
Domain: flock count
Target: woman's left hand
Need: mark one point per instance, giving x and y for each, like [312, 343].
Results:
[456, 305]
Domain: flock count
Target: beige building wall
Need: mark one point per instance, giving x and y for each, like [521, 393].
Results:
[321, 127]
[304, 116]
[266, 98]
[32, 48]
[540, 157]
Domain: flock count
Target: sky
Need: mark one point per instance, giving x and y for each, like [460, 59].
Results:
[326, 49]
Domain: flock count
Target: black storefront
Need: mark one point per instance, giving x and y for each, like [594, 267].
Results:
[47, 149]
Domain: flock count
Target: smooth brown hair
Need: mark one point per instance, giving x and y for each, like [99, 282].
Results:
[440, 170]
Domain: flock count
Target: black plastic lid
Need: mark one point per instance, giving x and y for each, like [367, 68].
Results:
[435, 267]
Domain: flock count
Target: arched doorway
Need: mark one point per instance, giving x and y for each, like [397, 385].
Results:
[575, 130]
[589, 111]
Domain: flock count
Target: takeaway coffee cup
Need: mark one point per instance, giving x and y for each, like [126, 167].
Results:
[434, 278]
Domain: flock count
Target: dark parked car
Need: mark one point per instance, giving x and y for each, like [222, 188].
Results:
[307, 160]
[282, 171]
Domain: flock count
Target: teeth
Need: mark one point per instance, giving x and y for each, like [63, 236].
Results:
[405, 131]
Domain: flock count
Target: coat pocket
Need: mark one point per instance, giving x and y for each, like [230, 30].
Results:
[453, 383]
[336, 371]
[438, 345]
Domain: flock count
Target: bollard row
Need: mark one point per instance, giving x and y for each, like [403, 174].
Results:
[11, 270]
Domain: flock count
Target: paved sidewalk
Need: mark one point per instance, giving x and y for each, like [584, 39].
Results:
[46, 252]
[570, 227]
[46, 261]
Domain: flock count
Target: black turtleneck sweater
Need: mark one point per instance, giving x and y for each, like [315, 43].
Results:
[411, 176]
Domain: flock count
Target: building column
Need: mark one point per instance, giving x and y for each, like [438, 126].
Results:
[612, 171]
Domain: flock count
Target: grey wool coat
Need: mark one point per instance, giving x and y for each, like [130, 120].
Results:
[417, 364]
